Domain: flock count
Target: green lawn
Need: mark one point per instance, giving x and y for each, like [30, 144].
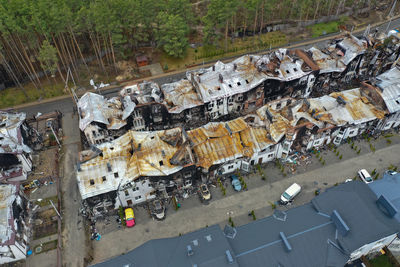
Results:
[213, 52]
[324, 28]
[381, 261]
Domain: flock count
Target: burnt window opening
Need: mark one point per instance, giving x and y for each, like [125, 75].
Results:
[104, 178]
[91, 182]
[238, 83]
[287, 71]
[230, 85]
[247, 81]
[161, 163]
[218, 88]
[295, 69]
[152, 137]
[116, 175]
[126, 193]
[278, 105]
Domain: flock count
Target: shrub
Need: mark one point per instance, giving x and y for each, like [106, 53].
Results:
[166, 66]
[273, 205]
[336, 184]
[341, 156]
[337, 154]
[388, 141]
[359, 151]
[254, 215]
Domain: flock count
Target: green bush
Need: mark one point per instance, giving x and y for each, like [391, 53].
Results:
[341, 156]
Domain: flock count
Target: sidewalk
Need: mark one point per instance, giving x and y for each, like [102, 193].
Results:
[238, 205]
[208, 64]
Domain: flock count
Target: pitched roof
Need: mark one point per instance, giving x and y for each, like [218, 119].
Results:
[209, 247]
[312, 233]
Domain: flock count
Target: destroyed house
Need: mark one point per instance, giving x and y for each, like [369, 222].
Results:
[246, 83]
[13, 229]
[15, 154]
[339, 63]
[125, 171]
[224, 147]
[336, 227]
[387, 90]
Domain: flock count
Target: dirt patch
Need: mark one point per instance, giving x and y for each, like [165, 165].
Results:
[45, 247]
[45, 171]
[45, 223]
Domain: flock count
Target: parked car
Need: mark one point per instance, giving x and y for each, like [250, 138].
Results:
[158, 210]
[290, 193]
[236, 183]
[391, 172]
[204, 192]
[364, 175]
[129, 217]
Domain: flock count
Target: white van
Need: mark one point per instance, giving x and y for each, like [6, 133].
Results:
[290, 193]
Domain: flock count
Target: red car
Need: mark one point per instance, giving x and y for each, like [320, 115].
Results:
[129, 217]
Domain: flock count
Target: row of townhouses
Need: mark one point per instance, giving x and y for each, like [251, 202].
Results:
[15, 164]
[20, 137]
[142, 165]
[228, 91]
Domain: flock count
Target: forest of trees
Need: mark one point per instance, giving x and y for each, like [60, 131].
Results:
[54, 35]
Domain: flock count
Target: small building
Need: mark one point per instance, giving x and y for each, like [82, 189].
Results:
[13, 229]
[142, 60]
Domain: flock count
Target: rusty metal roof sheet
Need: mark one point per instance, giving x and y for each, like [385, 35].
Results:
[356, 109]
[327, 62]
[180, 95]
[244, 73]
[216, 143]
[133, 155]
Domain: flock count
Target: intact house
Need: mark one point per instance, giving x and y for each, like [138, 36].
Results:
[13, 228]
[15, 154]
[337, 227]
[130, 169]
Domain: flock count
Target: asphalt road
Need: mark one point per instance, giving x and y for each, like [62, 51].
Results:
[66, 105]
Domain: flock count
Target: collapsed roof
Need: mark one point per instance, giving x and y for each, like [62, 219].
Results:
[8, 194]
[337, 56]
[135, 154]
[389, 85]
[11, 140]
[246, 73]
[111, 112]
[216, 143]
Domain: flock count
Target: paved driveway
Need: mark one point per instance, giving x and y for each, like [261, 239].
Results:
[238, 205]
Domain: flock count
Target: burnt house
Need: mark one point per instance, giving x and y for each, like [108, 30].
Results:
[339, 64]
[131, 169]
[13, 226]
[15, 154]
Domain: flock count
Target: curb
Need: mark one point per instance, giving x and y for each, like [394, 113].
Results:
[225, 60]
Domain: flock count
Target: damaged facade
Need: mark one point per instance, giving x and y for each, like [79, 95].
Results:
[129, 170]
[13, 229]
[227, 91]
[15, 154]
[143, 165]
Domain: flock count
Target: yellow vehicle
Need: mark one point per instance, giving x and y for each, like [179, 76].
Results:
[129, 217]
